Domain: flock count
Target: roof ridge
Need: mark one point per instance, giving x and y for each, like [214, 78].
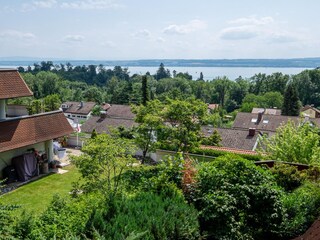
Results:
[30, 116]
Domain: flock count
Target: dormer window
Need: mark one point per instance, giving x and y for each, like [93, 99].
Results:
[64, 106]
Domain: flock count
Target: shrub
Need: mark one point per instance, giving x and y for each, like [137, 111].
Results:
[287, 176]
[148, 214]
[302, 208]
[64, 216]
[237, 200]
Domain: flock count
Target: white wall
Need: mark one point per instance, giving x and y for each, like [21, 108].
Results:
[5, 157]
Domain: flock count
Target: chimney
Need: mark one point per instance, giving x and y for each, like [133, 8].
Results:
[103, 114]
[259, 117]
[81, 104]
[252, 132]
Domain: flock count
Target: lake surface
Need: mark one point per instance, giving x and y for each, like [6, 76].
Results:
[209, 73]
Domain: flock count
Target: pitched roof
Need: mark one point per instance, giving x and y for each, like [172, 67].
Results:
[230, 150]
[310, 107]
[268, 122]
[233, 138]
[103, 125]
[12, 85]
[120, 111]
[76, 108]
[267, 111]
[24, 131]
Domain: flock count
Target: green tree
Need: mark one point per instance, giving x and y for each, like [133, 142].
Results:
[35, 106]
[150, 121]
[184, 120]
[293, 143]
[213, 140]
[145, 90]
[162, 72]
[103, 158]
[52, 102]
[222, 86]
[291, 104]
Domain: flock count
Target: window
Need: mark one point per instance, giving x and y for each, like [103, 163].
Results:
[253, 120]
[266, 121]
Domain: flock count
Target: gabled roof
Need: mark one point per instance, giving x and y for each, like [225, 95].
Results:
[268, 122]
[309, 107]
[120, 111]
[233, 138]
[76, 108]
[24, 131]
[267, 111]
[103, 125]
[12, 85]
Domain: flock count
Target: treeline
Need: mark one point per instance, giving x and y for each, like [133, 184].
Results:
[96, 83]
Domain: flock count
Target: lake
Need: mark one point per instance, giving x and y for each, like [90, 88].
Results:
[209, 73]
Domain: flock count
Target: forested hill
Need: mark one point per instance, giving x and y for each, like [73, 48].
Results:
[294, 62]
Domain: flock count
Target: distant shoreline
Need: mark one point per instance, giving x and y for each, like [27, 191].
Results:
[266, 63]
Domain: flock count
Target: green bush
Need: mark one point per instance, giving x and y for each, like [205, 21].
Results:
[287, 176]
[147, 214]
[63, 216]
[237, 200]
[303, 208]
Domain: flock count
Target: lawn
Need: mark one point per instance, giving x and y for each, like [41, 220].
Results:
[37, 195]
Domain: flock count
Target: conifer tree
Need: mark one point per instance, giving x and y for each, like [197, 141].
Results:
[145, 92]
[291, 103]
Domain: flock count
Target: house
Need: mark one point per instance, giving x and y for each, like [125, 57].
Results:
[78, 110]
[245, 139]
[20, 134]
[262, 122]
[115, 116]
[311, 111]
[267, 111]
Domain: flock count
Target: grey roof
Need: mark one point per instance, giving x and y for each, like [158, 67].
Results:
[233, 138]
[120, 111]
[267, 123]
[103, 125]
[75, 107]
[267, 111]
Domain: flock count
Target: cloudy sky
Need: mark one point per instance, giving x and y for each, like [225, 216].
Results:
[155, 29]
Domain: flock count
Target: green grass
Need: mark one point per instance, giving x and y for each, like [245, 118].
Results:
[37, 195]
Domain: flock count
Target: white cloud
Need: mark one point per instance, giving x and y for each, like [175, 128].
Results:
[73, 38]
[160, 40]
[191, 26]
[90, 4]
[252, 20]
[252, 27]
[45, 4]
[17, 35]
[238, 33]
[144, 33]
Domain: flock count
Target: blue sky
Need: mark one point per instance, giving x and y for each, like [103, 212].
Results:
[150, 29]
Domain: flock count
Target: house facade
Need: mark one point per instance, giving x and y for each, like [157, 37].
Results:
[78, 110]
[19, 135]
[310, 111]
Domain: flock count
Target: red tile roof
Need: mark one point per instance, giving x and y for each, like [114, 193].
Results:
[231, 150]
[76, 108]
[12, 85]
[24, 131]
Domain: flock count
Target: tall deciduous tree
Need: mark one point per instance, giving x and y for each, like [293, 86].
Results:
[184, 120]
[150, 121]
[291, 104]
